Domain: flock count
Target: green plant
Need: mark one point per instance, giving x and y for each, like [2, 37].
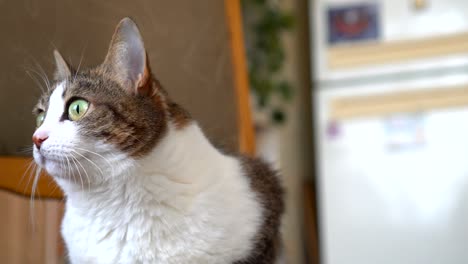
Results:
[264, 22]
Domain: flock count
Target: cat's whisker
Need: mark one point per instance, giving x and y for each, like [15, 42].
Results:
[86, 173]
[26, 150]
[79, 64]
[44, 76]
[73, 159]
[32, 207]
[90, 161]
[31, 165]
[84, 170]
[41, 74]
[35, 182]
[97, 154]
[63, 165]
[38, 83]
[31, 175]
[68, 167]
[55, 188]
[74, 176]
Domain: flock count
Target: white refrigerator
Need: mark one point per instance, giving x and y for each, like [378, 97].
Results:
[392, 133]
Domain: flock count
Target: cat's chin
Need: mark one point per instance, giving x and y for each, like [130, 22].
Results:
[54, 168]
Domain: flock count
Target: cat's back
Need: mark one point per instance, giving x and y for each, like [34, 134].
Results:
[266, 184]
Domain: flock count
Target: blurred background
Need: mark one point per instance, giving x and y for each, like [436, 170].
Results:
[361, 104]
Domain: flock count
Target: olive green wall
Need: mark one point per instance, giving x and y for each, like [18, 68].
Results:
[187, 42]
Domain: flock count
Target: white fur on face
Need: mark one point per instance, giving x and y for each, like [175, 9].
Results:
[60, 134]
[68, 155]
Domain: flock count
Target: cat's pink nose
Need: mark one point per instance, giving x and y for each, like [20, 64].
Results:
[39, 137]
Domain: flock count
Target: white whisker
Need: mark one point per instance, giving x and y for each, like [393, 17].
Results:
[31, 165]
[44, 76]
[31, 175]
[86, 173]
[79, 64]
[90, 161]
[33, 196]
[97, 154]
[68, 167]
[78, 169]
[38, 83]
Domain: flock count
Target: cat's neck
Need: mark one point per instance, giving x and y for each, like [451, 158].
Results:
[183, 164]
[184, 155]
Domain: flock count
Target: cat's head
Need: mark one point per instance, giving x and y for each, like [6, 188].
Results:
[94, 121]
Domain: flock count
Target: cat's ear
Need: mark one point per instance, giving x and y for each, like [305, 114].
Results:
[126, 59]
[62, 68]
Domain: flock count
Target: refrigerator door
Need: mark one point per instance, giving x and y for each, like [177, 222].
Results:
[393, 185]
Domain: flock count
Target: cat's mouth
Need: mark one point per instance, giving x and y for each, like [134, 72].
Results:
[39, 158]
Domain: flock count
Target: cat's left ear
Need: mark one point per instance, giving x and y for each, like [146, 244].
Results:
[63, 69]
[126, 59]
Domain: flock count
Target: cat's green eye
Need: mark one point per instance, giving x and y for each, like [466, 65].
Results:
[40, 119]
[77, 109]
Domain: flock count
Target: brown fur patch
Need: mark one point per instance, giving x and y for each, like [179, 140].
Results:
[131, 122]
[265, 183]
[179, 116]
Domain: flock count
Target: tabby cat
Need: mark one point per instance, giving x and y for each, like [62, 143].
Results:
[142, 182]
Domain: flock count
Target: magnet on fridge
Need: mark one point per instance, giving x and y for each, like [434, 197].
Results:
[353, 23]
[405, 131]
[333, 129]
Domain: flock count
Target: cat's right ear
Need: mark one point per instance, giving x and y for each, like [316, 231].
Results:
[126, 59]
[62, 68]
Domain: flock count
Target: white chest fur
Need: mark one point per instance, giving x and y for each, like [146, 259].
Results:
[184, 203]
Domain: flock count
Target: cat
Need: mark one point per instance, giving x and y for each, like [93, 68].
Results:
[142, 182]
